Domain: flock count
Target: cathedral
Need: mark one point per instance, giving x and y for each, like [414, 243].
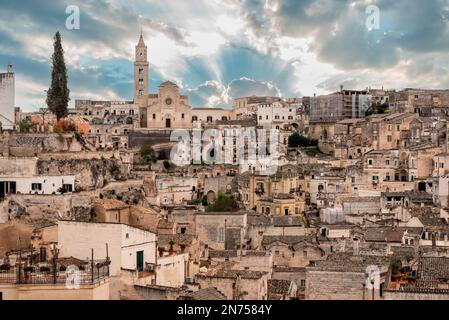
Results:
[167, 109]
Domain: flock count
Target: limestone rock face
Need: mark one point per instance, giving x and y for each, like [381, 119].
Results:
[26, 145]
[89, 173]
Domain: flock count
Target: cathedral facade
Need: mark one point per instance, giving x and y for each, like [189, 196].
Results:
[167, 109]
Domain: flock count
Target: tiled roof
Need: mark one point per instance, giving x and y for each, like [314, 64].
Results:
[289, 240]
[232, 274]
[383, 234]
[210, 293]
[222, 253]
[111, 204]
[179, 239]
[348, 263]
[287, 221]
[279, 286]
[258, 220]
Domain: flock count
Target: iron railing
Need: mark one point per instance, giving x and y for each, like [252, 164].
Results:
[89, 273]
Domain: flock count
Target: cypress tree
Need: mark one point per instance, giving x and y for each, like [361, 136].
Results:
[58, 93]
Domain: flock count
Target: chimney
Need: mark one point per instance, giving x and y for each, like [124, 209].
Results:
[341, 88]
[9, 68]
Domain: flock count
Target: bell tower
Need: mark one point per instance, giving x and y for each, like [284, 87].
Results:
[141, 72]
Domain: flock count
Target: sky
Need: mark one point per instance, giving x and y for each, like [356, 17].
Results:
[220, 50]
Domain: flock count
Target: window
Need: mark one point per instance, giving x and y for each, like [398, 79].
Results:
[43, 254]
[67, 187]
[303, 283]
[140, 71]
[370, 162]
[36, 186]
[154, 116]
[182, 115]
[389, 138]
[194, 118]
[183, 230]
[305, 253]
[387, 162]
[209, 119]
[221, 235]
[127, 236]
[140, 93]
[398, 127]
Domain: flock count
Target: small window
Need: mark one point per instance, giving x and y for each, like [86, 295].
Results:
[221, 235]
[127, 236]
[183, 230]
[36, 186]
[67, 187]
[154, 116]
[182, 116]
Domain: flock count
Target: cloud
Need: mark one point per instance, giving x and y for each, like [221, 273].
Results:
[215, 94]
[219, 50]
[245, 87]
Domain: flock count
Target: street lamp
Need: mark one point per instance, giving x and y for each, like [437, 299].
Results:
[55, 248]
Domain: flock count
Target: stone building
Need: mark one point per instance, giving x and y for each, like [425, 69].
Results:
[344, 277]
[167, 109]
[7, 99]
[236, 284]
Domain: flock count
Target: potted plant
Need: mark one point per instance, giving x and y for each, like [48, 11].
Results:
[161, 251]
[44, 269]
[171, 243]
[5, 267]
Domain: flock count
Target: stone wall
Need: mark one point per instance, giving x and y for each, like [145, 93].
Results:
[27, 144]
[17, 167]
[328, 285]
[401, 295]
[89, 173]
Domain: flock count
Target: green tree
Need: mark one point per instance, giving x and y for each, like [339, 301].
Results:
[58, 93]
[147, 153]
[378, 108]
[223, 203]
[296, 140]
[25, 125]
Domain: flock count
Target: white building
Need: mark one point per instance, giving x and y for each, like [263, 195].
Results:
[7, 99]
[20, 176]
[172, 270]
[271, 114]
[128, 247]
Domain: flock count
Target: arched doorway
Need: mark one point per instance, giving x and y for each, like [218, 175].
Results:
[210, 196]
[168, 123]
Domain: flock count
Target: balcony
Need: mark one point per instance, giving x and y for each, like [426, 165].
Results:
[89, 273]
